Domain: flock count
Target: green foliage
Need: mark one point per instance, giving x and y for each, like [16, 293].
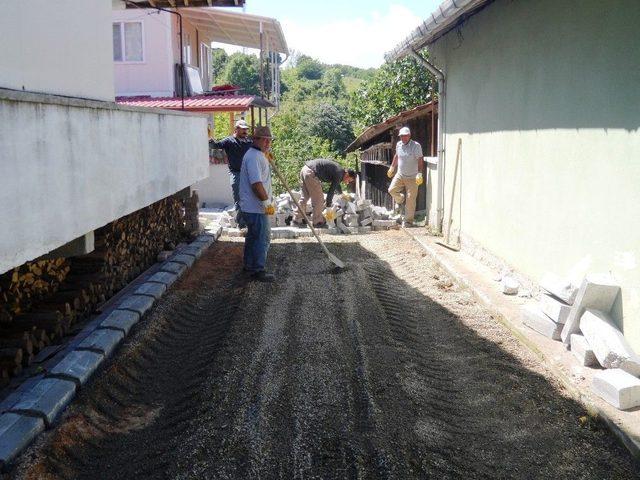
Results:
[219, 60]
[309, 68]
[244, 71]
[395, 87]
[328, 122]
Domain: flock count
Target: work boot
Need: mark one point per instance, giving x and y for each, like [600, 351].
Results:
[263, 276]
[320, 225]
[406, 224]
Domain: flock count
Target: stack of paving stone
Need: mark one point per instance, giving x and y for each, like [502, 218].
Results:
[356, 215]
[582, 319]
[36, 404]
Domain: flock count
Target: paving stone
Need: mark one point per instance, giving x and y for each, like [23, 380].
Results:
[555, 309]
[559, 287]
[538, 321]
[16, 432]
[137, 303]
[186, 260]
[582, 351]
[120, 320]
[597, 292]
[510, 285]
[165, 278]
[173, 267]
[194, 250]
[617, 387]
[151, 289]
[164, 255]
[205, 238]
[607, 342]
[102, 340]
[366, 221]
[78, 366]
[385, 223]
[364, 229]
[47, 399]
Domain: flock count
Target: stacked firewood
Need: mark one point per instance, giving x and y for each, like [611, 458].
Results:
[42, 301]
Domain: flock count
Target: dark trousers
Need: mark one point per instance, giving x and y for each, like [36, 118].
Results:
[256, 242]
[234, 178]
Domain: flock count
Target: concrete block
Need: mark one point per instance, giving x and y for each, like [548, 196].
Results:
[120, 320]
[164, 255]
[538, 321]
[607, 342]
[581, 349]
[46, 399]
[16, 432]
[385, 223]
[617, 387]
[165, 278]
[597, 292]
[173, 267]
[186, 260]
[194, 250]
[350, 220]
[137, 303]
[342, 227]
[366, 221]
[205, 238]
[555, 309]
[102, 340]
[559, 287]
[77, 366]
[509, 285]
[151, 289]
[364, 229]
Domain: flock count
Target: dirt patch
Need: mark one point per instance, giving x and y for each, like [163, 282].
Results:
[385, 370]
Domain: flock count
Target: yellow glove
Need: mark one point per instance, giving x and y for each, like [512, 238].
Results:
[269, 156]
[391, 172]
[346, 197]
[419, 179]
[329, 214]
[270, 209]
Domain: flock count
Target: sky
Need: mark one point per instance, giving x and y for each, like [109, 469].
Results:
[351, 32]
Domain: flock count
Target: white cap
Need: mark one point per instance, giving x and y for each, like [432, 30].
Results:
[405, 131]
[241, 124]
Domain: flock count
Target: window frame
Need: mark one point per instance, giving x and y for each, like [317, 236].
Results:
[123, 47]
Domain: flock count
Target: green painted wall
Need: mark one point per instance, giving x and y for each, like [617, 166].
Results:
[545, 96]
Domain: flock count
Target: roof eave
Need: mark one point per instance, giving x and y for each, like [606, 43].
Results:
[445, 18]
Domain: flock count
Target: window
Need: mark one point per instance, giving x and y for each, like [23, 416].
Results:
[205, 66]
[128, 45]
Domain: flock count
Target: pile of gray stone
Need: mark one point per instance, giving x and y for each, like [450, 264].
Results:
[582, 318]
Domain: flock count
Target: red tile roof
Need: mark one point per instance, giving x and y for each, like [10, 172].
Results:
[199, 103]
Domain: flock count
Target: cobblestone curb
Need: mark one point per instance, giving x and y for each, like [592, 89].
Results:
[39, 401]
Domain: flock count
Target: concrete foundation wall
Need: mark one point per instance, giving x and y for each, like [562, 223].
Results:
[545, 96]
[216, 188]
[70, 166]
[62, 47]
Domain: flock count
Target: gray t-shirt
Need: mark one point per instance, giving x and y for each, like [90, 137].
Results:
[408, 156]
[255, 168]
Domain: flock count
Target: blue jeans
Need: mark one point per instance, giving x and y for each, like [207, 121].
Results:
[256, 243]
[234, 177]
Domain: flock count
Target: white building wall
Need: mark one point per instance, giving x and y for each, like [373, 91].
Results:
[69, 166]
[215, 190]
[155, 75]
[62, 47]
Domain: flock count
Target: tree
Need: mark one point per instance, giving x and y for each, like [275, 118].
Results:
[395, 87]
[331, 85]
[309, 68]
[328, 122]
[244, 71]
[219, 60]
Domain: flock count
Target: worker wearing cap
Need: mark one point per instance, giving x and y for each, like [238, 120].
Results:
[235, 146]
[256, 204]
[406, 172]
[312, 174]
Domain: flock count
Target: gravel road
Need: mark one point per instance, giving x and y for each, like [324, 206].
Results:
[386, 370]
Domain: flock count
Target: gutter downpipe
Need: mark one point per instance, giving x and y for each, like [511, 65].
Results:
[441, 124]
[182, 74]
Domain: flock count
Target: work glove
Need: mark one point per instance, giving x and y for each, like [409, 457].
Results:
[346, 197]
[269, 156]
[329, 214]
[419, 179]
[269, 208]
[391, 172]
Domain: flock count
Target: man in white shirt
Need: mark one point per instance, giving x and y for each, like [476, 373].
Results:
[406, 172]
[256, 204]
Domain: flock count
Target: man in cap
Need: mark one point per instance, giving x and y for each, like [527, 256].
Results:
[256, 204]
[408, 163]
[312, 174]
[235, 146]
